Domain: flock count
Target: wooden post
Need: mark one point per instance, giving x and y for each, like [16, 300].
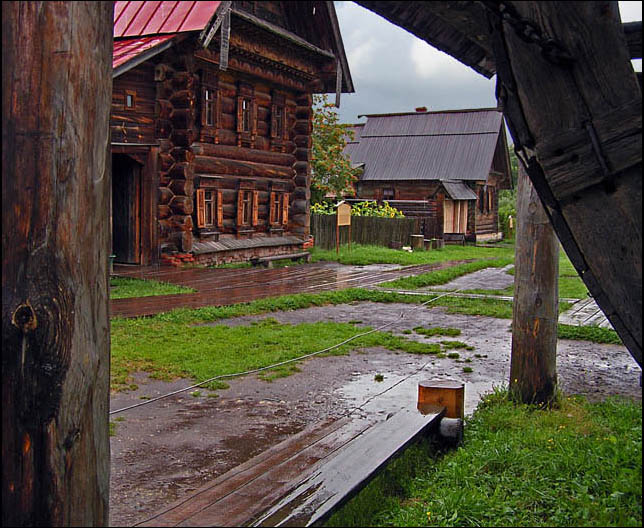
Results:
[582, 131]
[533, 369]
[56, 183]
[443, 393]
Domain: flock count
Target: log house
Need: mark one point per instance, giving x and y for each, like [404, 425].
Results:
[445, 167]
[211, 125]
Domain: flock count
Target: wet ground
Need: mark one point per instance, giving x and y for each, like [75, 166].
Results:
[163, 451]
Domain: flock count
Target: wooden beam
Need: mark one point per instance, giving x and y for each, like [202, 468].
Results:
[580, 131]
[633, 33]
[56, 182]
[533, 367]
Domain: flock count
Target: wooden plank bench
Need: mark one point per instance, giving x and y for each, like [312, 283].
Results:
[268, 261]
[304, 479]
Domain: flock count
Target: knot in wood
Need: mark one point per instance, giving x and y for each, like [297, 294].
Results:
[24, 318]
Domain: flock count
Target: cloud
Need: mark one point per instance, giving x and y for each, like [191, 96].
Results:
[432, 63]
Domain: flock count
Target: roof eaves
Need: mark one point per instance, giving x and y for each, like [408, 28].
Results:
[143, 56]
[335, 27]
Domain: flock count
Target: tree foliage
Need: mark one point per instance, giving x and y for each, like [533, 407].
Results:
[331, 168]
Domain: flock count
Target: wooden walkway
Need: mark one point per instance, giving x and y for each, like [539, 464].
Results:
[305, 478]
[219, 287]
[585, 313]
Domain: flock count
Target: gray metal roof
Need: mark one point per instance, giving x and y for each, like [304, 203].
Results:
[447, 145]
[459, 191]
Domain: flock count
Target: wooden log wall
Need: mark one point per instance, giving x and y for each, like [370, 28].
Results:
[176, 93]
[193, 156]
[56, 182]
[137, 124]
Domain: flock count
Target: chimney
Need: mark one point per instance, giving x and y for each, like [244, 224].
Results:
[421, 109]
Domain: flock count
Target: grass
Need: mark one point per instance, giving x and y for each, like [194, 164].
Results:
[579, 464]
[443, 276]
[362, 255]
[125, 287]
[169, 345]
[169, 350]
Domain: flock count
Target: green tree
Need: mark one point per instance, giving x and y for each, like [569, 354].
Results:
[331, 168]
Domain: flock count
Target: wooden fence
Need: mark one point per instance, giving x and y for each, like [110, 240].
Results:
[364, 230]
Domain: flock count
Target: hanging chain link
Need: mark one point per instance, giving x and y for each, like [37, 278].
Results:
[552, 50]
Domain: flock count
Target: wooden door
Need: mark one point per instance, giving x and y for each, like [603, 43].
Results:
[454, 216]
[126, 210]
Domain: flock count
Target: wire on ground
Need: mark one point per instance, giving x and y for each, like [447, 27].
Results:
[299, 358]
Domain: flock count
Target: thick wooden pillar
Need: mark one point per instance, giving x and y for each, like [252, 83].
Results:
[580, 127]
[56, 183]
[533, 367]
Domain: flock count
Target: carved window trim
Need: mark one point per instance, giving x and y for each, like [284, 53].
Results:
[209, 208]
[279, 130]
[209, 106]
[279, 203]
[247, 205]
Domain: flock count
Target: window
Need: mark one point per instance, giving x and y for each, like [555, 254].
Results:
[278, 208]
[247, 207]
[278, 118]
[388, 194]
[279, 121]
[209, 208]
[209, 107]
[130, 99]
[245, 115]
[482, 200]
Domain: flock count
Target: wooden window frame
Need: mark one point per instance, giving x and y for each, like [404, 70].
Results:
[132, 94]
[247, 207]
[209, 107]
[279, 203]
[387, 190]
[214, 204]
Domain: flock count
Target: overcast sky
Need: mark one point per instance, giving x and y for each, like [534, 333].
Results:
[394, 71]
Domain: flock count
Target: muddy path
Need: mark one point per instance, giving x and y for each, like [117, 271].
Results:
[163, 451]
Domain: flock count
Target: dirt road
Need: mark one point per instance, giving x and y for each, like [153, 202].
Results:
[164, 450]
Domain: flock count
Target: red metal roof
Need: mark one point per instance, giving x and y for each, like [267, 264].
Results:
[136, 19]
[128, 49]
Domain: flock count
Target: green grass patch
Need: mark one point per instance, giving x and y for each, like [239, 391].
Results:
[437, 331]
[579, 464]
[362, 255]
[595, 334]
[168, 350]
[168, 345]
[126, 287]
[456, 345]
[468, 370]
[443, 276]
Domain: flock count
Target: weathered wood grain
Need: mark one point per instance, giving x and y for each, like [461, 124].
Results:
[591, 184]
[56, 91]
[533, 363]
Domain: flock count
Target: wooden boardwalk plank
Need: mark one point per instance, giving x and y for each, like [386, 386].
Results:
[322, 464]
[331, 485]
[218, 287]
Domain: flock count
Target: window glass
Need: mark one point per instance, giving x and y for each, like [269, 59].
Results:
[246, 115]
[209, 107]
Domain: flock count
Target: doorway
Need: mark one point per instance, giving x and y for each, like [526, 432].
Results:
[126, 209]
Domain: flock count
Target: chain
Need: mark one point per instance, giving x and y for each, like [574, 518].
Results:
[552, 50]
